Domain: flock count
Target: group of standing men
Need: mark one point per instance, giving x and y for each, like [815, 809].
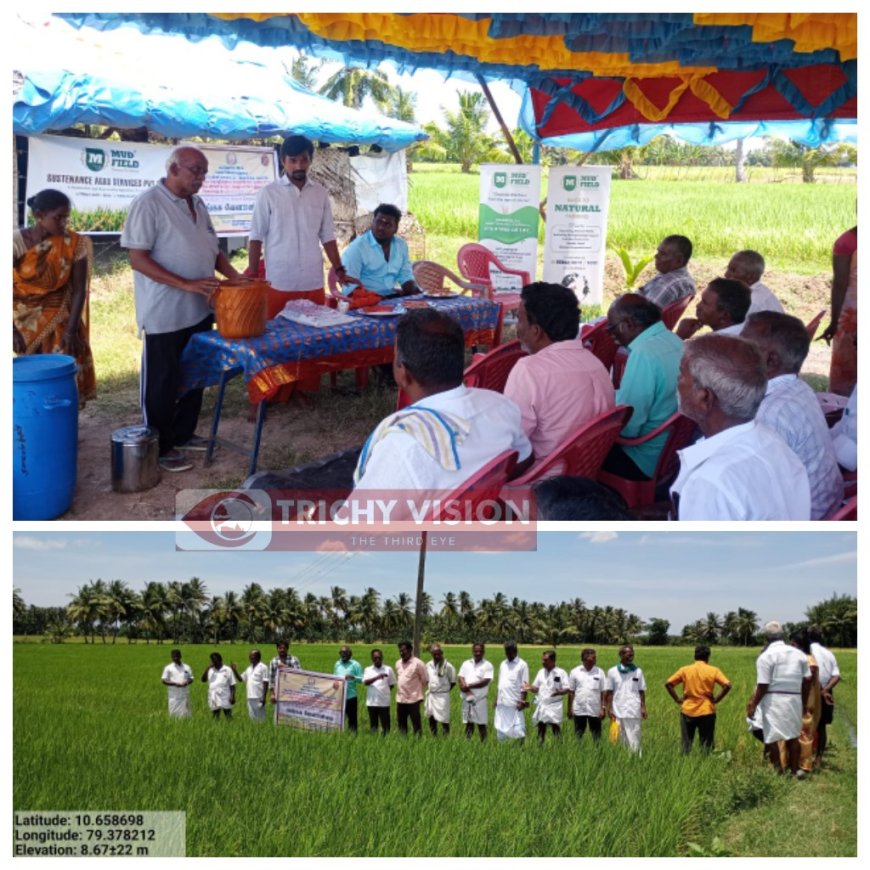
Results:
[789, 710]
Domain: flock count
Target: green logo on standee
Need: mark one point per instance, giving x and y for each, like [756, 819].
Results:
[499, 179]
[95, 159]
[118, 158]
[569, 182]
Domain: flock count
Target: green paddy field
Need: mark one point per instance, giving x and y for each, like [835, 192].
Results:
[91, 732]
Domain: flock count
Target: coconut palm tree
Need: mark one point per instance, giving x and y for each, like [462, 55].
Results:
[352, 84]
[154, 608]
[467, 142]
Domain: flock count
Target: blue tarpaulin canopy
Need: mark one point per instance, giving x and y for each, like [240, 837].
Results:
[241, 100]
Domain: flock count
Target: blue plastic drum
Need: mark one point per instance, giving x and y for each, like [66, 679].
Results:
[45, 424]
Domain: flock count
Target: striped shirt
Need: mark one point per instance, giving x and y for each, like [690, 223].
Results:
[790, 408]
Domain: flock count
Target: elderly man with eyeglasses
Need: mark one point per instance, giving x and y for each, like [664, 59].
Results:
[174, 254]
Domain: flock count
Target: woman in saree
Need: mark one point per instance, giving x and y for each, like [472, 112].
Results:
[842, 332]
[51, 271]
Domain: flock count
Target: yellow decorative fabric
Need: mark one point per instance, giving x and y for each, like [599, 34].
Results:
[430, 32]
[810, 31]
[645, 106]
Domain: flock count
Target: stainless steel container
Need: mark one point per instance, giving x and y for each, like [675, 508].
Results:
[135, 450]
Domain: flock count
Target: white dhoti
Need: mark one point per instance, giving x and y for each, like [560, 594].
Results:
[438, 706]
[549, 714]
[780, 716]
[179, 708]
[509, 722]
[474, 710]
[256, 710]
[629, 733]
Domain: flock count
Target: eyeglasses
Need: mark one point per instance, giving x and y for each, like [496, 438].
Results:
[612, 327]
[195, 171]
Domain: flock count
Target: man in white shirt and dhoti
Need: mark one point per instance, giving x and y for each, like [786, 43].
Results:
[510, 704]
[781, 693]
[178, 677]
[442, 678]
[475, 675]
[550, 685]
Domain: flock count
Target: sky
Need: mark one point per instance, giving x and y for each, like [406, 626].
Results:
[677, 575]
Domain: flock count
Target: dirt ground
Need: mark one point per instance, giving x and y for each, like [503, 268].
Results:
[293, 434]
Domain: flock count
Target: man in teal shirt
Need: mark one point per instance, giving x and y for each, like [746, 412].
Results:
[649, 382]
[379, 258]
[351, 672]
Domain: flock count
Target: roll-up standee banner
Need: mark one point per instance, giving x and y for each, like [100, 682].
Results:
[576, 240]
[508, 218]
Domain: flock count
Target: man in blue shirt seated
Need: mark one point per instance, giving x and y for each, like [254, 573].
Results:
[649, 383]
[379, 258]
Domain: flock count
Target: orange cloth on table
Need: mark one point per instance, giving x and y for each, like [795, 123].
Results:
[275, 302]
[698, 680]
[362, 298]
[42, 293]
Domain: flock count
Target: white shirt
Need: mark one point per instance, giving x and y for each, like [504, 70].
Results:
[441, 677]
[626, 690]
[378, 693]
[746, 472]
[255, 678]
[588, 687]
[219, 682]
[763, 299]
[827, 663]
[782, 668]
[511, 676]
[791, 409]
[473, 672]
[734, 329]
[844, 434]
[398, 462]
[178, 674]
[292, 224]
[548, 682]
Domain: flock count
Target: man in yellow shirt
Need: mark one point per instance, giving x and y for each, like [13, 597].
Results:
[698, 704]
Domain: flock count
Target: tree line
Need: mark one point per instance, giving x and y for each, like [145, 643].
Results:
[184, 612]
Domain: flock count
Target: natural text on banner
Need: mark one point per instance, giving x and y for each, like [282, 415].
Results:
[508, 218]
[308, 700]
[578, 198]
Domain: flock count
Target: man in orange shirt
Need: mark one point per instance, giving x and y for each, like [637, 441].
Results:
[698, 704]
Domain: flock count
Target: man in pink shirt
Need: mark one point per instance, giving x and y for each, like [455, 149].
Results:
[561, 384]
[411, 677]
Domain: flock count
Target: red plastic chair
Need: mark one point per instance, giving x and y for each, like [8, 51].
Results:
[639, 493]
[483, 485]
[474, 262]
[672, 313]
[599, 340]
[430, 277]
[813, 325]
[490, 371]
[582, 453]
[847, 511]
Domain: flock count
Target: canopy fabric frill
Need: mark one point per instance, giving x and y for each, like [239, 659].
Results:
[591, 80]
[259, 104]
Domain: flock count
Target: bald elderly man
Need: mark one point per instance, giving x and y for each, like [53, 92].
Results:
[174, 254]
